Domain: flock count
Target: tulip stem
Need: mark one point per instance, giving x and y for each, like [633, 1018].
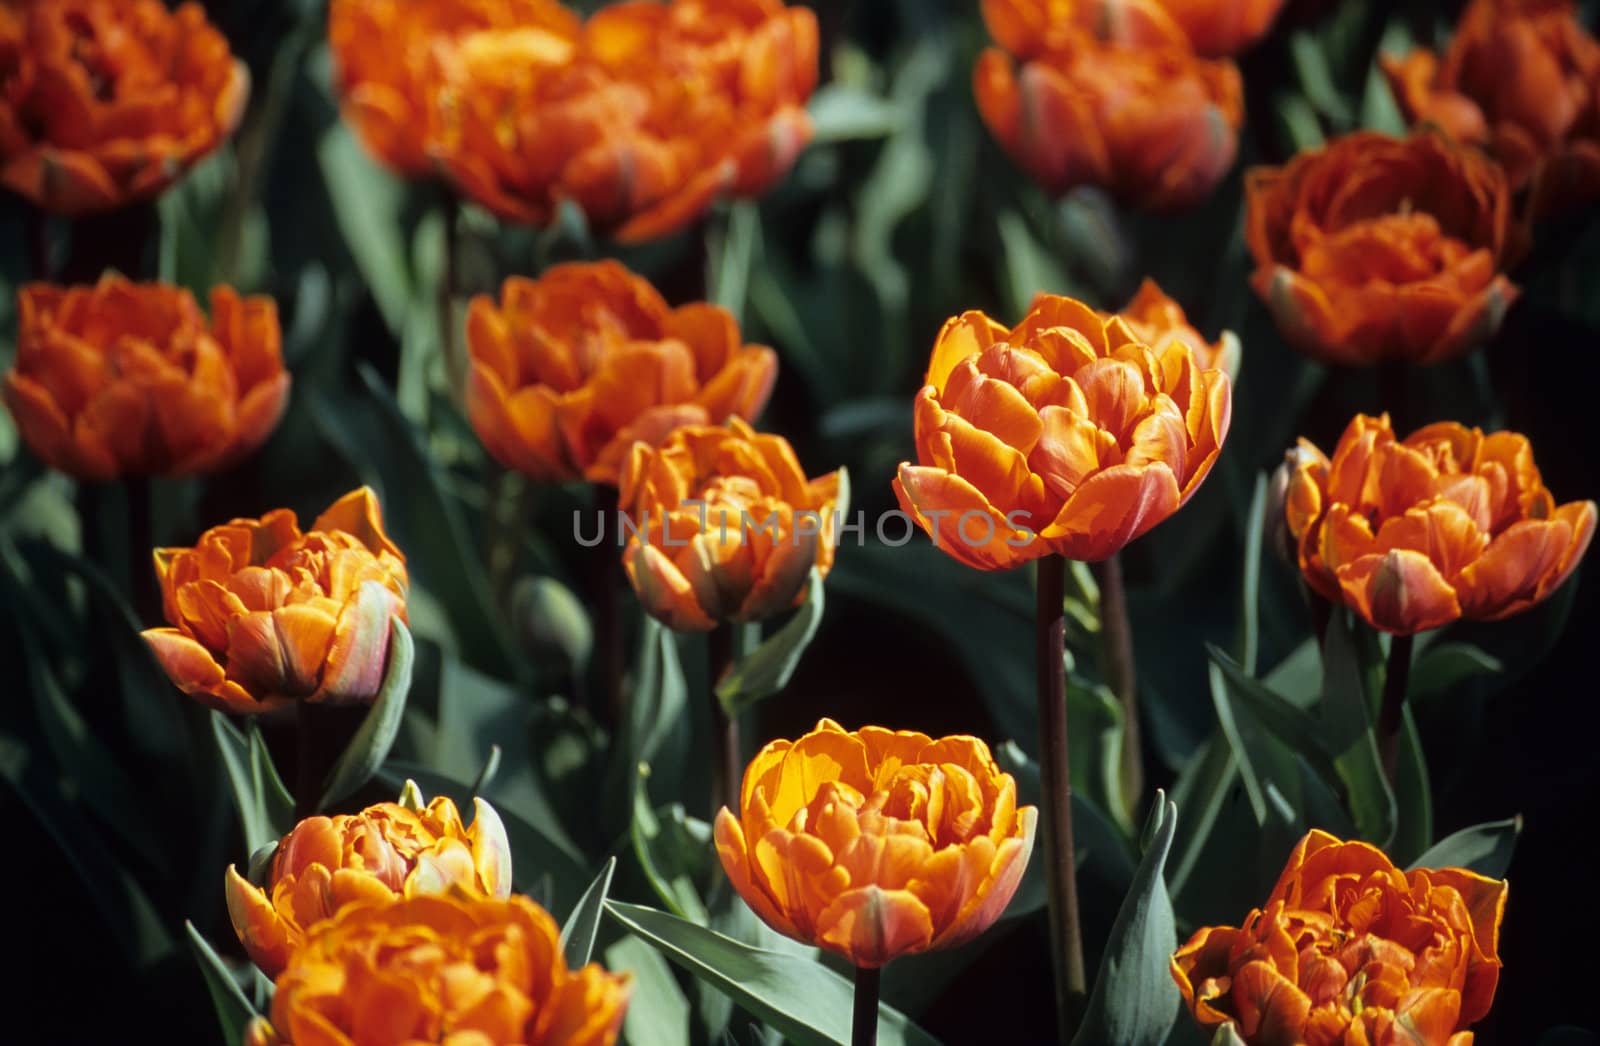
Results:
[864, 1022]
[1391, 716]
[1055, 778]
[1116, 648]
[727, 768]
[305, 772]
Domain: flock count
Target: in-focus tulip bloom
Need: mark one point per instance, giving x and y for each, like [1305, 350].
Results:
[1349, 949]
[654, 111]
[107, 102]
[570, 369]
[1375, 249]
[266, 614]
[1448, 523]
[124, 379]
[386, 851]
[1123, 102]
[1218, 28]
[1153, 318]
[876, 843]
[450, 968]
[728, 525]
[1522, 78]
[1066, 434]
[388, 77]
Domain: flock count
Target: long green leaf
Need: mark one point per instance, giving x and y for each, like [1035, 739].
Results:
[367, 202]
[1134, 1001]
[1482, 848]
[263, 814]
[1199, 794]
[1250, 587]
[771, 665]
[578, 934]
[1413, 796]
[1346, 715]
[658, 1011]
[805, 1001]
[234, 1011]
[370, 746]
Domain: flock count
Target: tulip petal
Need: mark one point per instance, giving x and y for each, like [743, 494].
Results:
[193, 670]
[1112, 508]
[870, 925]
[359, 651]
[263, 932]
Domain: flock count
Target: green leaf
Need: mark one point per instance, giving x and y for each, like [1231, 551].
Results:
[234, 1011]
[1442, 668]
[1250, 587]
[1199, 794]
[1299, 122]
[1483, 848]
[1029, 267]
[658, 1012]
[1134, 1001]
[1316, 79]
[841, 113]
[1346, 717]
[668, 846]
[806, 1002]
[370, 746]
[728, 282]
[367, 202]
[266, 810]
[578, 934]
[1413, 796]
[770, 666]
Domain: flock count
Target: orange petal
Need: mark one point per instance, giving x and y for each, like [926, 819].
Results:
[1112, 508]
[870, 925]
[1400, 591]
[262, 931]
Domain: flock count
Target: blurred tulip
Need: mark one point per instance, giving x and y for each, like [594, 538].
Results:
[876, 844]
[729, 526]
[1522, 78]
[104, 103]
[385, 851]
[1447, 524]
[386, 73]
[1121, 102]
[451, 968]
[1218, 28]
[1065, 434]
[654, 111]
[1348, 949]
[124, 379]
[1375, 249]
[265, 614]
[572, 368]
[1153, 318]
[552, 623]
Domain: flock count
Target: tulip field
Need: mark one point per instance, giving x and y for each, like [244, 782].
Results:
[735, 522]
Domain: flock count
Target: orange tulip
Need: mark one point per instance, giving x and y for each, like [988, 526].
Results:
[124, 379]
[1218, 28]
[728, 525]
[1448, 523]
[1065, 434]
[1521, 77]
[572, 368]
[1119, 102]
[1348, 949]
[104, 103]
[265, 614]
[386, 851]
[1154, 318]
[386, 73]
[877, 843]
[451, 968]
[654, 111]
[1374, 249]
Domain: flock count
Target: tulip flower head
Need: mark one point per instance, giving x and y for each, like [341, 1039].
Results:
[104, 103]
[386, 851]
[571, 369]
[450, 968]
[1349, 949]
[643, 117]
[1080, 98]
[1153, 318]
[1066, 434]
[124, 379]
[1218, 28]
[876, 844]
[264, 614]
[1448, 523]
[728, 525]
[1375, 249]
[1522, 79]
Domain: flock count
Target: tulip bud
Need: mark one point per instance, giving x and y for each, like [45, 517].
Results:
[552, 623]
[1278, 533]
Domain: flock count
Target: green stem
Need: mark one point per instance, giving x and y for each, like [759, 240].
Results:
[1391, 716]
[1055, 778]
[727, 767]
[1116, 647]
[864, 1021]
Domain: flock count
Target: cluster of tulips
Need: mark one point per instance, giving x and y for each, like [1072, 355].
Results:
[1063, 437]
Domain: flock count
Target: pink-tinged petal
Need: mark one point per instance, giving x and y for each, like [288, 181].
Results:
[193, 670]
[304, 633]
[1400, 591]
[1514, 569]
[941, 503]
[871, 925]
[358, 657]
[663, 590]
[1111, 509]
